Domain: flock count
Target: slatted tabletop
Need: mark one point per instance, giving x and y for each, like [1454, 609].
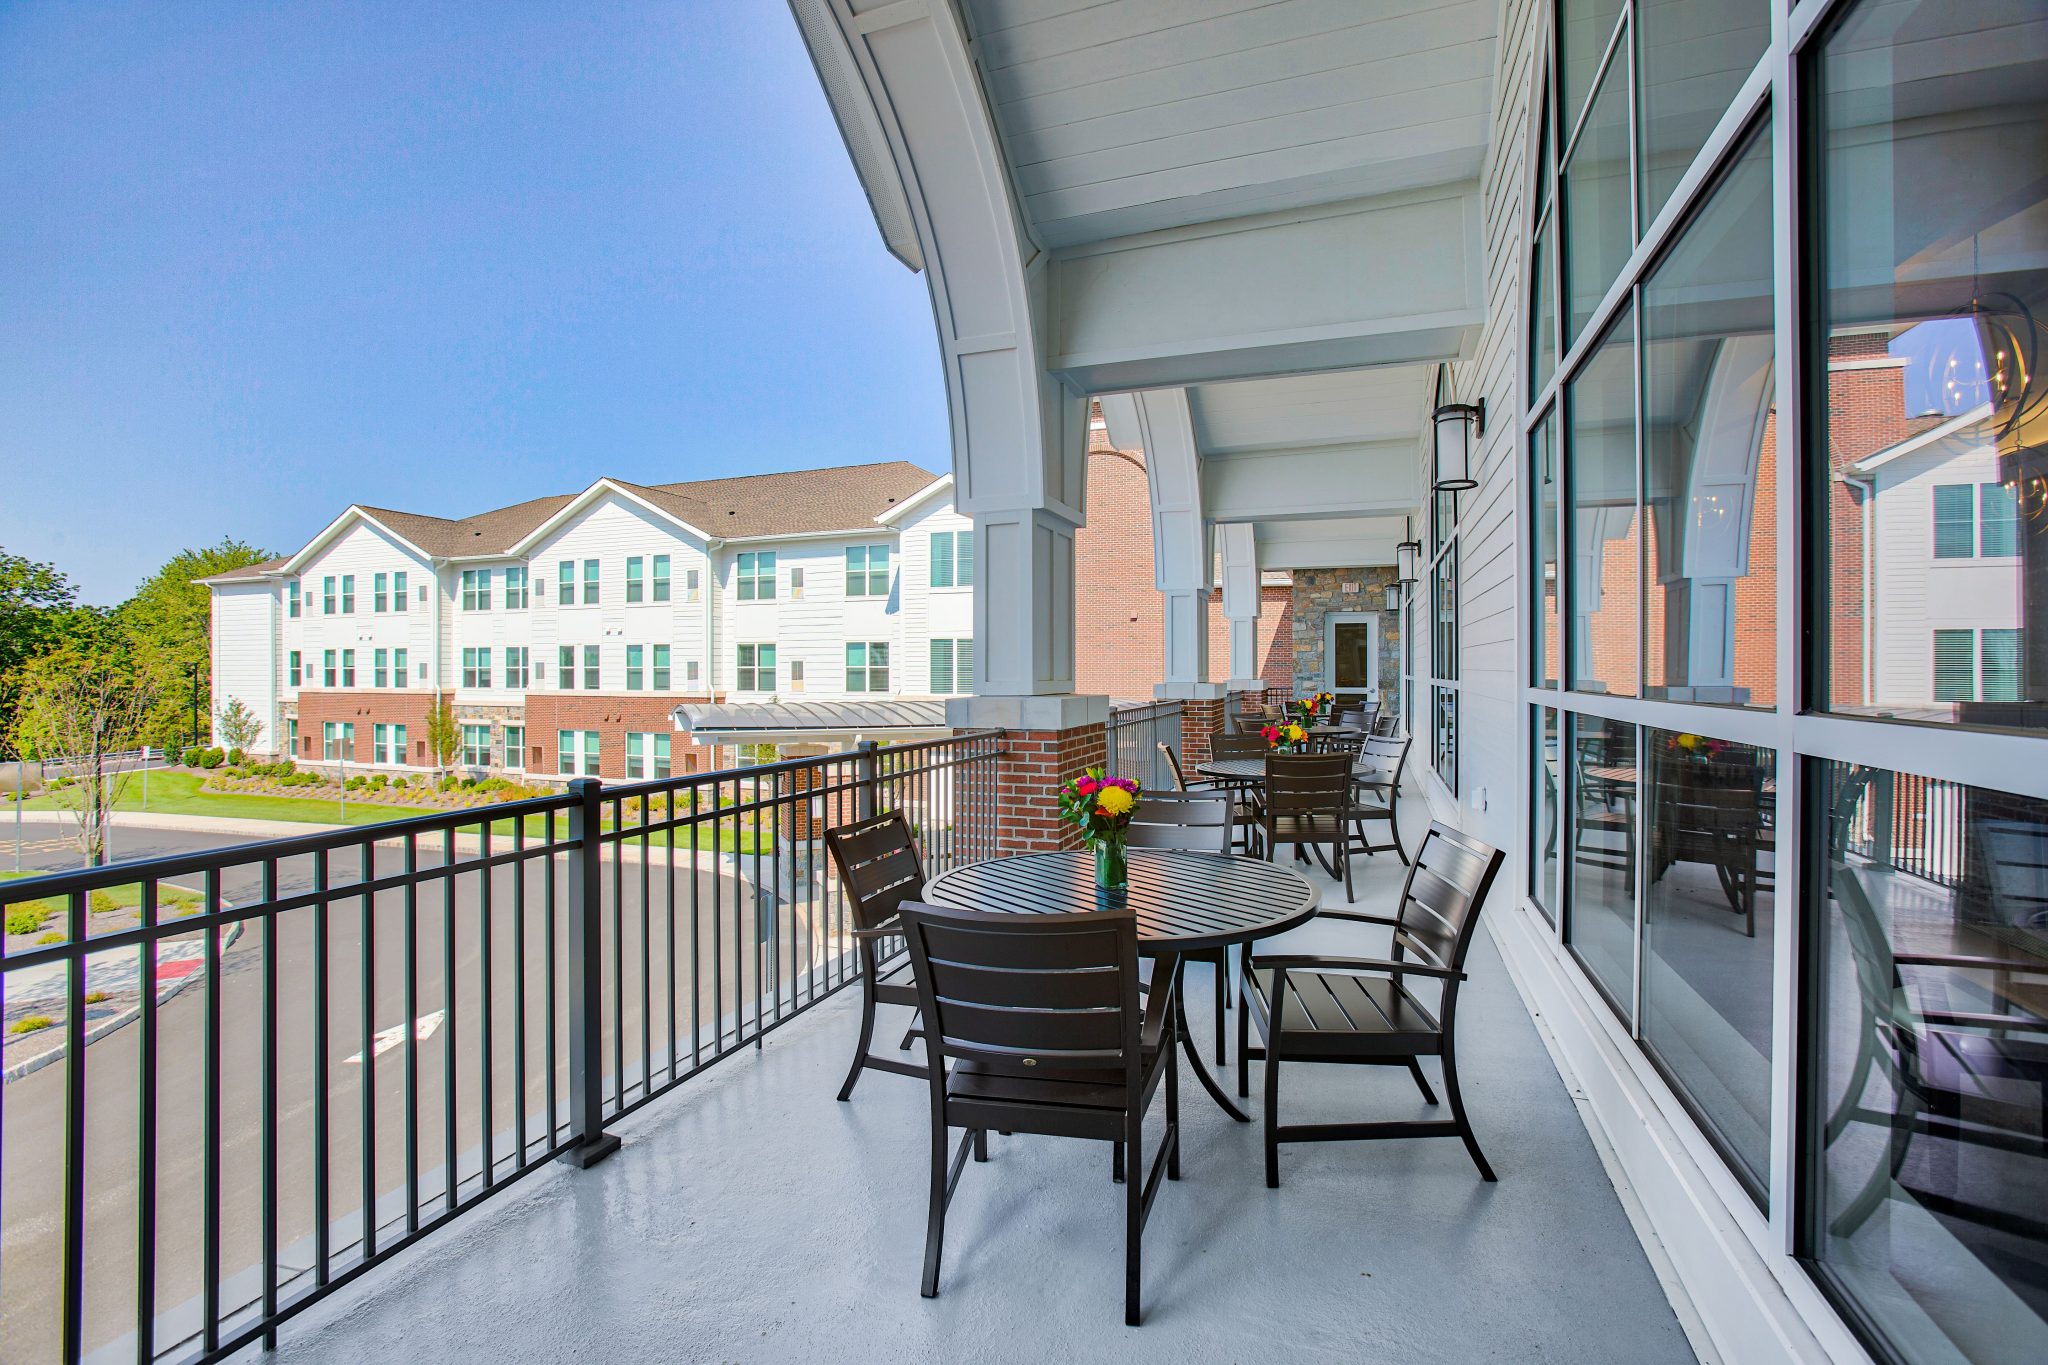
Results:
[1185, 902]
[1234, 769]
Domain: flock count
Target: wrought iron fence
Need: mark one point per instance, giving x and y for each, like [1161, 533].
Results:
[1135, 734]
[1913, 824]
[387, 1025]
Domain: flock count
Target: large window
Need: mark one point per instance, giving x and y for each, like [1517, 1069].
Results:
[661, 578]
[755, 669]
[476, 589]
[952, 556]
[755, 576]
[867, 666]
[952, 666]
[576, 752]
[647, 754]
[476, 746]
[1675, 759]
[867, 571]
[636, 581]
[476, 667]
[387, 744]
[515, 588]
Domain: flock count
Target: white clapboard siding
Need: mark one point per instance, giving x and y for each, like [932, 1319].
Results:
[365, 550]
[610, 530]
[245, 658]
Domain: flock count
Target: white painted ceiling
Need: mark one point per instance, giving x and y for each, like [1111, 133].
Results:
[1149, 114]
[1342, 407]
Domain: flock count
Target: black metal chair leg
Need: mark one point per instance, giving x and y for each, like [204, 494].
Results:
[981, 1144]
[1116, 1163]
[1222, 983]
[910, 1033]
[867, 1035]
[1457, 1099]
[1272, 1117]
[1344, 852]
[1172, 1110]
[1134, 1214]
[935, 1220]
[1421, 1081]
[1244, 1050]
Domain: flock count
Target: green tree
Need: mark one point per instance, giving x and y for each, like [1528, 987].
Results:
[444, 735]
[169, 625]
[39, 611]
[85, 706]
[238, 726]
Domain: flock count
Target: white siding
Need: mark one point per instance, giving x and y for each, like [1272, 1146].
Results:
[364, 551]
[246, 664]
[610, 530]
[930, 613]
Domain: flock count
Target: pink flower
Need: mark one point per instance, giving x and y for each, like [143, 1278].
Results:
[1086, 786]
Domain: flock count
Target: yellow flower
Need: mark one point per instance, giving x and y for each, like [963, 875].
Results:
[1114, 801]
[1688, 741]
[1296, 733]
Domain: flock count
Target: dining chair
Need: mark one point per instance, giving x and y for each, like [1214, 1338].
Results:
[1250, 808]
[1310, 1007]
[1190, 822]
[879, 867]
[1376, 792]
[1039, 1017]
[1307, 804]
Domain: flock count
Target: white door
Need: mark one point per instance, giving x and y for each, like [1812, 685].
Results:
[1351, 653]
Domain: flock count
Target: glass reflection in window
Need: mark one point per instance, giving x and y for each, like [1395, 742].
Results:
[1600, 921]
[1695, 56]
[1707, 935]
[1599, 229]
[1710, 450]
[1606, 569]
[1929, 1030]
[1546, 811]
[1933, 211]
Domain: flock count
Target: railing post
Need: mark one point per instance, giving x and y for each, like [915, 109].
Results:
[868, 763]
[591, 1144]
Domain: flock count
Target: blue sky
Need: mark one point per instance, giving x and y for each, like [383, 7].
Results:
[260, 261]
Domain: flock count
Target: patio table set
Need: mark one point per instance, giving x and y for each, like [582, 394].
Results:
[1046, 1004]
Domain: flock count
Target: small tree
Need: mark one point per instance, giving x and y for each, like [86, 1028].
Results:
[444, 736]
[87, 710]
[237, 726]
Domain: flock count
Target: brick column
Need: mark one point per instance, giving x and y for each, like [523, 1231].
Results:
[1046, 740]
[1199, 719]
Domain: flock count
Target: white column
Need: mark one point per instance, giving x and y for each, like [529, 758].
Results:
[1241, 602]
[1187, 646]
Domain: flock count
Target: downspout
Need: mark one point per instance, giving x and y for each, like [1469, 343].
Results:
[711, 600]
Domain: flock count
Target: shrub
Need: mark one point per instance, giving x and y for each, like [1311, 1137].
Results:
[299, 780]
[95, 997]
[398, 783]
[235, 757]
[355, 784]
[102, 902]
[191, 757]
[32, 1023]
[212, 758]
[27, 917]
[451, 783]
[234, 772]
[379, 782]
[54, 936]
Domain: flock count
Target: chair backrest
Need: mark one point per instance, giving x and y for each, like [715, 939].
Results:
[1387, 724]
[1440, 902]
[1382, 759]
[1307, 784]
[1236, 746]
[1180, 781]
[1355, 716]
[1186, 822]
[878, 864]
[1248, 724]
[1027, 994]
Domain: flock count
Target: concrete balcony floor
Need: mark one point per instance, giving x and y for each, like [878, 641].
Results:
[750, 1217]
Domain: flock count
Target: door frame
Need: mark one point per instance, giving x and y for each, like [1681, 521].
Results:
[1333, 619]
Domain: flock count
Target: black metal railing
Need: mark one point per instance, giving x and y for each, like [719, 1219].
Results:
[1913, 824]
[386, 1025]
[1135, 733]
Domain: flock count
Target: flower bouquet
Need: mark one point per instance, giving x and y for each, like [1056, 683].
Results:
[1288, 738]
[1312, 706]
[1100, 807]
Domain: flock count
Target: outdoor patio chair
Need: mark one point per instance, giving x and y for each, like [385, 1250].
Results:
[1250, 807]
[1039, 1016]
[1307, 804]
[1312, 1007]
[1375, 792]
[1190, 822]
[879, 867]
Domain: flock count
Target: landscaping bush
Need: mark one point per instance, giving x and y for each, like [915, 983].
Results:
[190, 758]
[54, 936]
[355, 784]
[212, 758]
[398, 783]
[31, 1023]
[27, 917]
[379, 782]
[299, 780]
[235, 757]
[451, 783]
[234, 772]
[102, 902]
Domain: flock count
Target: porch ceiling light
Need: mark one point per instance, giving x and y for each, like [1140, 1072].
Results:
[1458, 428]
[1408, 556]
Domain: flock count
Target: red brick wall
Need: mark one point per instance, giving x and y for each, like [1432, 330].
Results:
[611, 715]
[1034, 762]
[364, 709]
[1198, 721]
[1119, 616]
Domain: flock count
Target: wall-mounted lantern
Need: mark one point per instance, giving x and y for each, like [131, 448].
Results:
[1458, 429]
[1408, 556]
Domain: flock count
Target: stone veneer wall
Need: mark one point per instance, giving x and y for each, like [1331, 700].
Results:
[1318, 592]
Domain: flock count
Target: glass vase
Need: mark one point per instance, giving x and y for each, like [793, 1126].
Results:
[1112, 867]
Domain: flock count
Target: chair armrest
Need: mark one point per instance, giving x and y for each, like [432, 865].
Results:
[1360, 916]
[1158, 1008]
[1968, 962]
[1353, 964]
[889, 928]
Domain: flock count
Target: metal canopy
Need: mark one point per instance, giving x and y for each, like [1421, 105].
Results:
[788, 717]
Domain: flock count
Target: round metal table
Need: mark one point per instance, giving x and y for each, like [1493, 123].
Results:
[1248, 771]
[1183, 902]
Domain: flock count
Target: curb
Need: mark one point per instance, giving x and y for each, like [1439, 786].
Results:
[122, 1020]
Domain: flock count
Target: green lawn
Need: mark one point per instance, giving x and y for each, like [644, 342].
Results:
[180, 793]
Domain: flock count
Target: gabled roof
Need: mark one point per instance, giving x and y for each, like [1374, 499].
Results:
[796, 502]
[1922, 439]
[246, 572]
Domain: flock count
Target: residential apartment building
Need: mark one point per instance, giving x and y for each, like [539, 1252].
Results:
[624, 631]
